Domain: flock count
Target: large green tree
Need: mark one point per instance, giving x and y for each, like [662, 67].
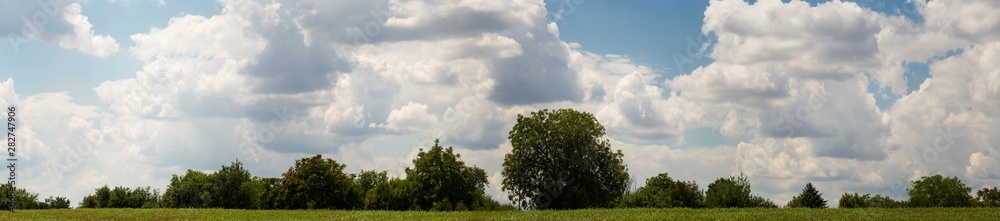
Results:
[938, 191]
[809, 198]
[191, 190]
[442, 181]
[317, 183]
[559, 161]
[227, 189]
[734, 192]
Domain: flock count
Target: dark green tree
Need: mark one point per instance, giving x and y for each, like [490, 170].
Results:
[442, 181]
[868, 201]
[734, 192]
[663, 192]
[317, 183]
[25, 200]
[559, 161]
[938, 191]
[227, 188]
[270, 190]
[366, 180]
[55, 202]
[809, 198]
[122, 197]
[190, 190]
[395, 194]
[988, 197]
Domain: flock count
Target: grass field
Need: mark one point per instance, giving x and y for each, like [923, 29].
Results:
[575, 215]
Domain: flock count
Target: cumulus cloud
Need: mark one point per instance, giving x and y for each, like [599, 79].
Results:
[52, 21]
[370, 82]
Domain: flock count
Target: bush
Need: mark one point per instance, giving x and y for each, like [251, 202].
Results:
[663, 192]
[734, 192]
[868, 201]
[122, 197]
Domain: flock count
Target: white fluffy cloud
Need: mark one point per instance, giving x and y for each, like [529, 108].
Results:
[52, 21]
[370, 82]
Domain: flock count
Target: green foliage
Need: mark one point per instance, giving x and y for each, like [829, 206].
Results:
[938, 191]
[559, 161]
[734, 192]
[227, 188]
[270, 190]
[317, 183]
[547, 215]
[809, 198]
[663, 192]
[988, 197]
[367, 180]
[191, 190]
[442, 181]
[122, 197]
[395, 194]
[55, 202]
[868, 201]
[28, 200]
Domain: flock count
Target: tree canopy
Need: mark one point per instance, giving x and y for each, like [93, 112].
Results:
[442, 181]
[317, 183]
[809, 198]
[734, 192]
[938, 191]
[559, 161]
[661, 191]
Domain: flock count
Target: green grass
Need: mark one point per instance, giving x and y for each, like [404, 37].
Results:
[574, 215]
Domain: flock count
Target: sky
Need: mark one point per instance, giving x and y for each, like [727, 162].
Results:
[853, 96]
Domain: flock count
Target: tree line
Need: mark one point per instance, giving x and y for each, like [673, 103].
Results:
[559, 160]
[439, 180]
[28, 200]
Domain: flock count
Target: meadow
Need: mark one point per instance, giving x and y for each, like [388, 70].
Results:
[575, 215]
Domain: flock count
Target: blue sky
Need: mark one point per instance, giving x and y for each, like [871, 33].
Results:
[779, 90]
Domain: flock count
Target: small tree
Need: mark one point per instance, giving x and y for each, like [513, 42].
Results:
[661, 191]
[317, 183]
[190, 190]
[734, 192]
[227, 188]
[55, 202]
[442, 181]
[938, 191]
[809, 198]
[395, 194]
[988, 197]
